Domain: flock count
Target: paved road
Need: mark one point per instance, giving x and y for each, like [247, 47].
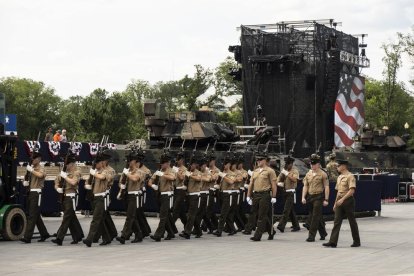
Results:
[387, 249]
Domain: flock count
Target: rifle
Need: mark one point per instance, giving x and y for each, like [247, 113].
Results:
[91, 179]
[62, 181]
[123, 180]
[28, 175]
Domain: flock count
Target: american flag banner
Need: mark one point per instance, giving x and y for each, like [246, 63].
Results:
[349, 109]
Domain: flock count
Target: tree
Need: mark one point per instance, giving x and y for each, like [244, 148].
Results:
[193, 87]
[392, 61]
[36, 106]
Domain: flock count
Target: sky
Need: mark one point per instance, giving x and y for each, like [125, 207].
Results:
[77, 46]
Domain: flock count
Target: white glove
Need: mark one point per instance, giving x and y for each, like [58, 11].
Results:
[59, 190]
[123, 186]
[280, 184]
[185, 188]
[249, 172]
[118, 196]
[92, 172]
[159, 173]
[88, 187]
[125, 171]
[29, 168]
[249, 201]
[216, 187]
[144, 189]
[187, 173]
[285, 172]
[175, 169]
[63, 174]
[25, 183]
[154, 187]
[246, 186]
[222, 174]
[273, 200]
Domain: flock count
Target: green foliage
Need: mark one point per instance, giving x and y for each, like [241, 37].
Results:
[37, 106]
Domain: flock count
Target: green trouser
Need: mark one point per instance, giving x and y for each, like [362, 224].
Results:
[227, 213]
[131, 222]
[210, 214]
[262, 203]
[165, 217]
[97, 224]
[346, 210]
[70, 221]
[193, 201]
[315, 214]
[239, 217]
[34, 218]
[141, 218]
[201, 214]
[179, 206]
[252, 220]
[288, 211]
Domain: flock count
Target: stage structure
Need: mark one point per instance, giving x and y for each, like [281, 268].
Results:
[296, 71]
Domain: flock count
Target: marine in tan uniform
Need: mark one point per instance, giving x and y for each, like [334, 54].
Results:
[142, 219]
[109, 223]
[212, 196]
[344, 206]
[288, 180]
[67, 184]
[180, 192]
[242, 196]
[132, 188]
[226, 188]
[35, 185]
[236, 196]
[193, 188]
[332, 168]
[99, 189]
[263, 185]
[204, 193]
[163, 182]
[316, 194]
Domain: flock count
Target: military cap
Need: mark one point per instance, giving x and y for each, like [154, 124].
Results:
[70, 158]
[180, 155]
[165, 158]
[261, 155]
[289, 160]
[342, 162]
[36, 154]
[315, 159]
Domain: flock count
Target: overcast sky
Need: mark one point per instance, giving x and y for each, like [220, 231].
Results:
[76, 46]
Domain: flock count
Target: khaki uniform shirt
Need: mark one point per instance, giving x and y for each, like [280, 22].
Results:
[75, 174]
[164, 184]
[205, 185]
[315, 181]
[262, 179]
[289, 184]
[134, 186]
[344, 183]
[238, 184]
[194, 186]
[38, 182]
[101, 185]
[224, 184]
[111, 175]
[332, 171]
[214, 175]
[181, 171]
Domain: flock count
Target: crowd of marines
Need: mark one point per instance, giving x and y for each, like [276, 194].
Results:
[190, 194]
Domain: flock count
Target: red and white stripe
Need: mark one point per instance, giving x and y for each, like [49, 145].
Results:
[349, 113]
